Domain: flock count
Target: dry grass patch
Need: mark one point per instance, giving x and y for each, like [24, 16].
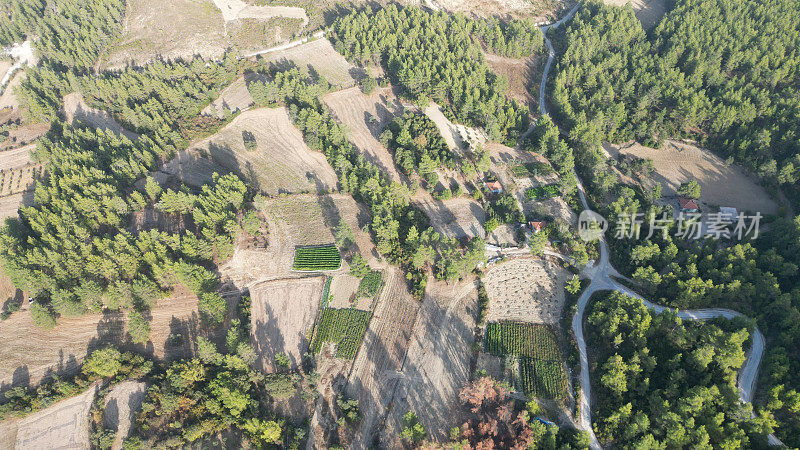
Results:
[320, 56]
[298, 220]
[517, 9]
[237, 9]
[649, 12]
[235, 97]
[521, 75]
[365, 116]
[721, 184]
[277, 160]
[62, 425]
[282, 317]
[526, 290]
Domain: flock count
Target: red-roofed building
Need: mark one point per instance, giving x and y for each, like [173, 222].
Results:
[494, 187]
[536, 226]
[688, 205]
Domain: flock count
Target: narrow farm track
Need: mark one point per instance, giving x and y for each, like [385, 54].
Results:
[601, 273]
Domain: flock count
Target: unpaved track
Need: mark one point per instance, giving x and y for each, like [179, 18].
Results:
[600, 273]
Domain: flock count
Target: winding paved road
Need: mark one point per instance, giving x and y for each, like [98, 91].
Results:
[600, 273]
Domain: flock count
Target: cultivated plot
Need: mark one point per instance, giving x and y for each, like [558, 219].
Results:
[269, 151]
[282, 316]
[437, 365]
[526, 290]
[455, 218]
[721, 184]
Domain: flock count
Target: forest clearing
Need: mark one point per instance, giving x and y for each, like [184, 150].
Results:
[282, 317]
[455, 218]
[649, 12]
[365, 117]
[521, 73]
[526, 290]
[317, 56]
[264, 147]
[76, 111]
[720, 184]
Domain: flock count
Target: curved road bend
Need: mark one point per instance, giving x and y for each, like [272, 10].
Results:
[601, 273]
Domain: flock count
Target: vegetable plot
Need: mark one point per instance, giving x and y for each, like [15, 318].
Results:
[317, 258]
[551, 190]
[344, 327]
[541, 367]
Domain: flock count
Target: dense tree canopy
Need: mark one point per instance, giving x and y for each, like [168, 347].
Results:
[435, 56]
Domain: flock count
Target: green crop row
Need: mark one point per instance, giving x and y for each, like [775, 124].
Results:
[551, 190]
[541, 367]
[344, 327]
[317, 258]
[370, 284]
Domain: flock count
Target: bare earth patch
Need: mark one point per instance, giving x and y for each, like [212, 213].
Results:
[237, 9]
[649, 12]
[455, 218]
[502, 8]
[62, 425]
[76, 110]
[320, 55]
[235, 97]
[121, 406]
[721, 184]
[344, 289]
[280, 161]
[437, 364]
[456, 136]
[283, 314]
[526, 290]
[365, 116]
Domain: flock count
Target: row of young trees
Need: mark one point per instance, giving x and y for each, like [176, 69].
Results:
[435, 56]
[400, 230]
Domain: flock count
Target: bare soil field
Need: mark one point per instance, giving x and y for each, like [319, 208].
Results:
[280, 162]
[282, 318]
[344, 288]
[437, 364]
[189, 166]
[30, 353]
[321, 57]
[8, 433]
[505, 234]
[721, 184]
[521, 75]
[649, 12]
[365, 116]
[9, 205]
[455, 218]
[9, 99]
[62, 425]
[374, 375]
[491, 365]
[121, 406]
[526, 290]
[76, 110]
[295, 221]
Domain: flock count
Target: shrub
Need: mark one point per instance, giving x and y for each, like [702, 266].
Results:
[138, 327]
[42, 316]
[103, 363]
